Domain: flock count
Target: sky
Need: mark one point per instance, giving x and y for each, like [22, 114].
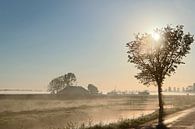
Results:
[43, 39]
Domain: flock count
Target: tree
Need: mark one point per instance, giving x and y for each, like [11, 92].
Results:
[69, 79]
[56, 85]
[92, 89]
[156, 59]
[61, 82]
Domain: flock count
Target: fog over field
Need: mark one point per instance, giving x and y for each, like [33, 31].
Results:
[97, 64]
[36, 113]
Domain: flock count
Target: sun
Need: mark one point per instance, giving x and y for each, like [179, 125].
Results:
[155, 36]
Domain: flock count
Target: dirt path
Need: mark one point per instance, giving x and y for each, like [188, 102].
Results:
[180, 120]
[184, 120]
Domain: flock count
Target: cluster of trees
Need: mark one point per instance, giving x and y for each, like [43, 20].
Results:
[58, 84]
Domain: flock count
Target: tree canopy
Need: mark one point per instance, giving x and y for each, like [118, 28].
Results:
[92, 89]
[61, 82]
[158, 59]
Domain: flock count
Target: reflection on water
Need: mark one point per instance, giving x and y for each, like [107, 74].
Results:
[114, 109]
[108, 117]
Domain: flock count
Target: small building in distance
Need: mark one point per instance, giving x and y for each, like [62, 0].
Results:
[74, 91]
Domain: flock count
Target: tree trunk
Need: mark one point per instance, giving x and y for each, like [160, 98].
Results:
[160, 99]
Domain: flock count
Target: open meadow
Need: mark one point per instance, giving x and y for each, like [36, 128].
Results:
[45, 112]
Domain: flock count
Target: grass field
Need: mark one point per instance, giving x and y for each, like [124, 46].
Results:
[38, 112]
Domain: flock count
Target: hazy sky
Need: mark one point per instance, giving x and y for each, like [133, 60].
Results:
[43, 39]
